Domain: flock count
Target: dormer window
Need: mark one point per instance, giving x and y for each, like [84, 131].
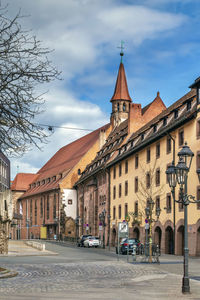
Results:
[54, 178]
[38, 184]
[43, 181]
[142, 136]
[48, 180]
[175, 113]
[155, 128]
[189, 104]
[165, 121]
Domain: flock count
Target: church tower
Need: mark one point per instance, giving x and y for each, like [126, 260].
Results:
[121, 99]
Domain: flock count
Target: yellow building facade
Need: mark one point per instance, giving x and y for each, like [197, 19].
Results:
[137, 173]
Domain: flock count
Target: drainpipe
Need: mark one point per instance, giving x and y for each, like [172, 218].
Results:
[173, 191]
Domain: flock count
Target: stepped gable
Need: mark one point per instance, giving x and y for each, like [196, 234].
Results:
[22, 181]
[62, 162]
[135, 139]
[113, 142]
[121, 88]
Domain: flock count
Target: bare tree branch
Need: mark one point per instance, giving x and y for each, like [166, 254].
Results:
[24, 64]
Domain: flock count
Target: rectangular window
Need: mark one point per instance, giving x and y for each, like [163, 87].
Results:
[70, 201]
[54, 206]
[168, 203]
[198, 197]
[114, 192]
[148, 155]
[47, 207]
[157, 177]
[198, 129]
[120, 170]
[126, 166]
[114, 172]
[120, 190]
[148, 180]
[136, 184]
[35, 212]
[158, 150]
[120, 212]
[125, 211]
[126, 188]
[157, 202]
[181, 137]
[198, 160]
[136, 208]
[41, 207]
[169, 145]
[180, 203]
[114, 212]
[136, 161]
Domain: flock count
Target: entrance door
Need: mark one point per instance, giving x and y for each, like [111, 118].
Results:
[198, 242]
[113, 237]
[169, 241]
[158, 236]
[136, 233]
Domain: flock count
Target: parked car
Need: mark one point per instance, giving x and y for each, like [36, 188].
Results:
[82, 239]
[91, 241]
[128, 244]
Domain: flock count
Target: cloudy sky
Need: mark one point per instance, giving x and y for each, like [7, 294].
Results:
[162, 50]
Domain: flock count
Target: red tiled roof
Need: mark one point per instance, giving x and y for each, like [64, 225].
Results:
[67, 157]
[22, 181]
[121, 88]
[63, 161]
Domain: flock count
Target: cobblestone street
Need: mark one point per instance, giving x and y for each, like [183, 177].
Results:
[77, 273]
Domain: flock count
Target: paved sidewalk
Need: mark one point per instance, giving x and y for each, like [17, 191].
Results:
[19, 248]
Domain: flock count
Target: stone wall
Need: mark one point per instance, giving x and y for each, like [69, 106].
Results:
[4, 229]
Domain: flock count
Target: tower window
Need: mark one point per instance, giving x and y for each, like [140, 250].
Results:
[117, 106]
[124, 107]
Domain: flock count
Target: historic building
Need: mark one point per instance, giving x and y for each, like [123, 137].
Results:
[5, 202]
[49, 205]
[137, 174]
[19, 186]
[94, 185]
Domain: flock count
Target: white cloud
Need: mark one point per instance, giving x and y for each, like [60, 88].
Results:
[81, 32]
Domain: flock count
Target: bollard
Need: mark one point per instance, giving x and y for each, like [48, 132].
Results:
[134, 253]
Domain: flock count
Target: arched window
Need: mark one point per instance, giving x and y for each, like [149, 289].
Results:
[117, 106]
[124, 107]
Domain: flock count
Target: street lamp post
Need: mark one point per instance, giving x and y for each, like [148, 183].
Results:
[149, 215]
[179, 174]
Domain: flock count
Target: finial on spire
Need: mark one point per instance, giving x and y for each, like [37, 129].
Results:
[121, 47]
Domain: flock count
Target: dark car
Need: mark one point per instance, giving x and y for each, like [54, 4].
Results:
[128, 244]
[82, 239]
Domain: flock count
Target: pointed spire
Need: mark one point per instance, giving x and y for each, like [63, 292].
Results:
[121, 87]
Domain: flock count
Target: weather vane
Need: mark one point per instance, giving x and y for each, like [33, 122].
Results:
[121, 47]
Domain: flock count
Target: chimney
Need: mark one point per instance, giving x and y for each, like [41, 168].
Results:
[102, 138]
[135, 118]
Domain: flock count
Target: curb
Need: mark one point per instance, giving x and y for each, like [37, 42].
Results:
[5, 273]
